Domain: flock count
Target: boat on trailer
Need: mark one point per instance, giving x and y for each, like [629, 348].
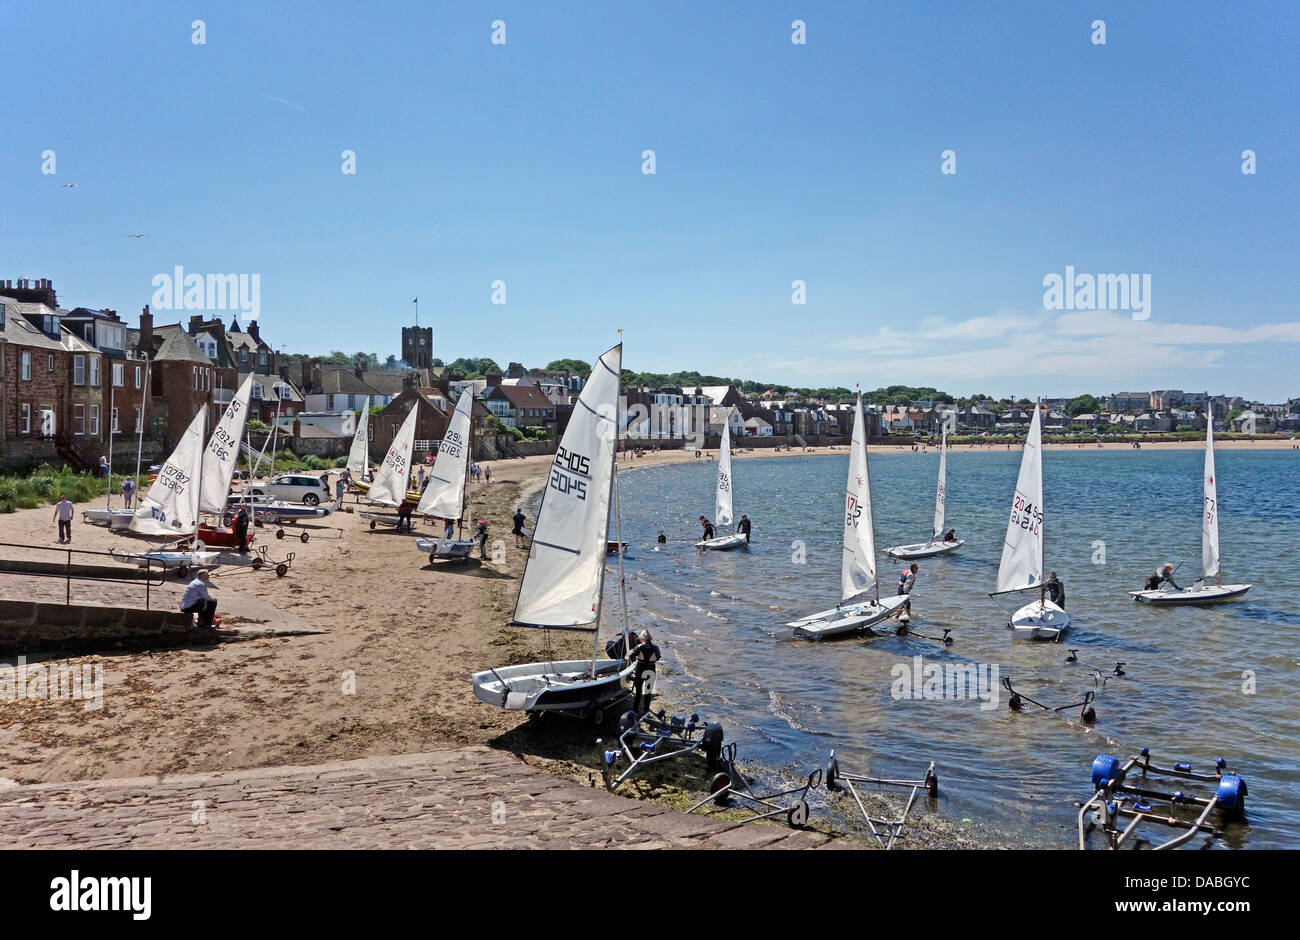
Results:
[113, 518]
[723, 510]
[1021, 568]
[854, 612]
[936, 544]
[564, 575]
[446, 496]
[1202, 590]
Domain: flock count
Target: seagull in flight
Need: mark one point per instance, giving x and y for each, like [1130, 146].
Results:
[137, 236]
[69, 185]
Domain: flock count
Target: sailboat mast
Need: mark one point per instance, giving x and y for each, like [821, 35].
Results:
[618, 545]
[108, 493]
[139, 447]
[198, 512]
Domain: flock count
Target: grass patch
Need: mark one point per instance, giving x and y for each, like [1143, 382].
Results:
[45, 485]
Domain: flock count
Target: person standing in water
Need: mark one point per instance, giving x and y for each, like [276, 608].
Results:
[744, 526]
[1054, 591]
[907, 579]
[708, 528]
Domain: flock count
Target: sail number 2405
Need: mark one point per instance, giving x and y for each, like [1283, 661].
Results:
[569, 473]
[1025, 515]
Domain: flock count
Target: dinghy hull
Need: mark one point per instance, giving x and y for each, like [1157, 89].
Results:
[1203, 594]
[924, 549]
[446, 548]
[1039, 620]
[113, 518]
[852, 618]
[724, 544]
[555, 686]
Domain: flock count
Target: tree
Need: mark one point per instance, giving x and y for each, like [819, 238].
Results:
[475, 368]
[1083, 405]
[571, 366]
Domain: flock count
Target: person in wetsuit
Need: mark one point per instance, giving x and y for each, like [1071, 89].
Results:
[708, 528]
[744, 526]
[644, 656]
[1162, 574]
[1053, 590]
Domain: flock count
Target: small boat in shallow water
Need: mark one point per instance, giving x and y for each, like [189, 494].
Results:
[723, 511]
[856, 611]
[1201, 591]
[1021, 568]
[936, 544]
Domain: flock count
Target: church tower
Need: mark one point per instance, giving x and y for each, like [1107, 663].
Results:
[417, 347]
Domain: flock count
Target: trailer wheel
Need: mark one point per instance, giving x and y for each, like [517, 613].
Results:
[432, 556]
[279, 533]
[797, 815]
[257, 564]
[304, 538]
[598, 716]
[718, 786]
[281, 570]
[932, 784]
[183, 572]
[372, 523]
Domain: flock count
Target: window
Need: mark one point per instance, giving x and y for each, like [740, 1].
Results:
[195, 371]
[94, 371]
[256, 391]
[49, 362]
[114, 426]
[78, 370]
[119, 375]
[25, 418]
[261, 357]
[94, 420]
[137, 376]
[78, 419]
[26, 367]
[137, 421]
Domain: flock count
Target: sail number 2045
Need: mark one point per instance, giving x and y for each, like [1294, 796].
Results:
[1025, 515]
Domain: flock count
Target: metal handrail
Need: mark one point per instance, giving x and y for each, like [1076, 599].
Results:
[68, 576]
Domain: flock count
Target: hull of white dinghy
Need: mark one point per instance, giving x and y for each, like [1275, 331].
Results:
[724, 544]
[113, 518]
[924, 549]
[1039, 620]
[447, 548]
[556, 686]
[1199, 593]
[848, 619]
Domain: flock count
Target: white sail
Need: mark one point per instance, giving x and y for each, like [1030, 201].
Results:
[393, 475]
[941, 494]
[566, 562]
[1210, 514]
[858, 568]
[359, 456]
[723, 512]
[1022, 553]
[444, 497]
[171, 507]
[223, 451]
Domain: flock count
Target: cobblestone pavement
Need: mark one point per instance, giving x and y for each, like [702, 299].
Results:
[457, 798]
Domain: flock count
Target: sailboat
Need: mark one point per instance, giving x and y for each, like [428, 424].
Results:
[1021, 568]
[359, 455]
[936, 544]
[445, 495]
[121, 518]
[565, 571]
[1202, 591]
[723, 511]
[858, 561]
[389, 487]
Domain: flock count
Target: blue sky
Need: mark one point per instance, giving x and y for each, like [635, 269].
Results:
[775, 162]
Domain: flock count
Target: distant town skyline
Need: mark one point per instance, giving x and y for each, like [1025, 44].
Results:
[978, 198]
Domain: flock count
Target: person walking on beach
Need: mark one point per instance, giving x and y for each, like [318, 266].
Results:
[643, 656]
[241, 529]
[1054, 590]
[708, 528]
[128, 492]
[197, 600]
[63, 516]
[487, 474]
[481, 533]
[518, 530]
[907, 580]
[744, 526]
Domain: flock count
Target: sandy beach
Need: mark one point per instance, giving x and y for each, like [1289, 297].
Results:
[404, 634]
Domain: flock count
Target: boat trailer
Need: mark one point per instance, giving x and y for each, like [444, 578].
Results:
[654, 738]
[1087, 714]
[890, 829]
[731, 786]
[1119, 798]
[262, 560]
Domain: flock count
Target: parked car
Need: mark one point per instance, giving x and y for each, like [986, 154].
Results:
[293, 488]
